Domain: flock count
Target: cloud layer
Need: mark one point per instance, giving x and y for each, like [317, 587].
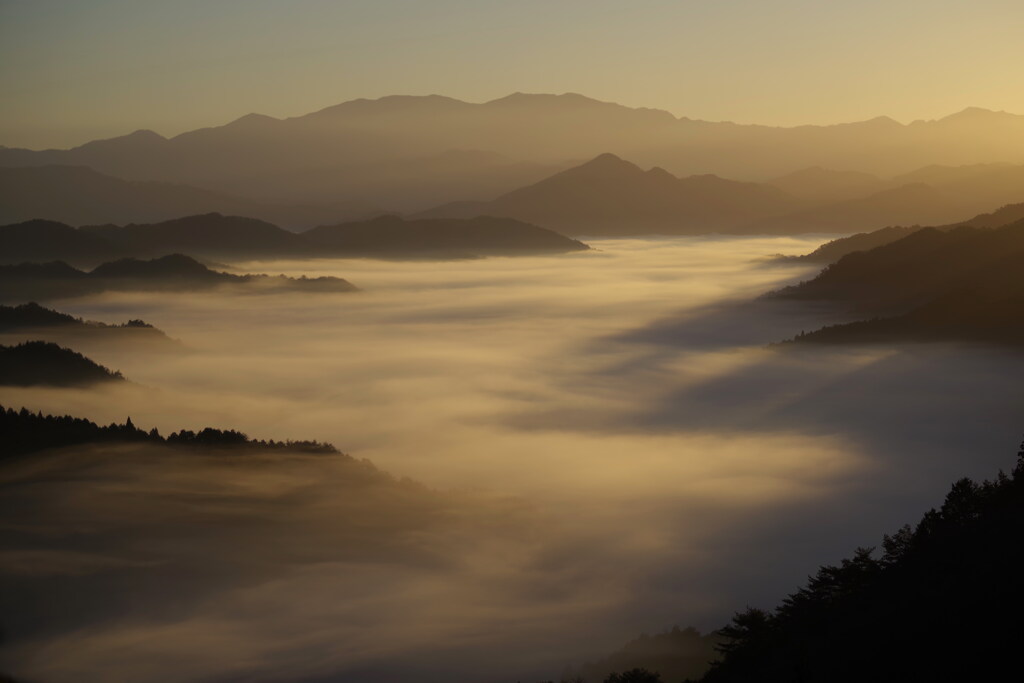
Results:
[602, 442]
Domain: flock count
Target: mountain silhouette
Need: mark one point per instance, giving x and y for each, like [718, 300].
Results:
[220, 237]
[175, 272]
[393, 236]
[32, 321]
[835, 249]
[608, 195]
[79, 195]
[926, 264]
[379, 151]
[42, 240]
[26, 432]
[863, 241]
[36, 363]
[939, 601]
[959, 284]
[934, 195]
[210, 234]
[959, 316]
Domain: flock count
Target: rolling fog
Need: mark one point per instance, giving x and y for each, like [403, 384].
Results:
[598, 444]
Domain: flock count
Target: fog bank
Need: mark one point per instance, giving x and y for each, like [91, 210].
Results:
[603, 444]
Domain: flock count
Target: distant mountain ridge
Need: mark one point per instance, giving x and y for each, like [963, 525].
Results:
[394, 151]
[175, 272]
[217, 236]
[609, 195]
[432, 237]
[79, 195]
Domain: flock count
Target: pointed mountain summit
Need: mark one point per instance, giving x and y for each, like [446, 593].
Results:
[611, 196]
[372, 150]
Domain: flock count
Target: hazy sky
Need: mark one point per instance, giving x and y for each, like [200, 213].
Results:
[72, 71]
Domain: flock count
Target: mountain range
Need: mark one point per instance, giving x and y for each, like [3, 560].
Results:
[31, 321]
[174, 272]
[606, 195]
[835, 249]
[81, 196]
[235, 237]
[609, 195]
[43, 363]
[410, 153]
[928, 263]
[957, 284]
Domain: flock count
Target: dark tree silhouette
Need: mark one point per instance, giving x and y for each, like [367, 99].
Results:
[45, 363]
[634, 676]
[26, 432]
[941, 603]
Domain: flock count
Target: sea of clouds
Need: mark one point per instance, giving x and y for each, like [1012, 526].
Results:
[566, 451]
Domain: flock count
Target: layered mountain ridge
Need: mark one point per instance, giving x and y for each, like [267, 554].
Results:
[396, 152]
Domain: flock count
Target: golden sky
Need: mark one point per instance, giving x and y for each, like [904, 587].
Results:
[72, 71]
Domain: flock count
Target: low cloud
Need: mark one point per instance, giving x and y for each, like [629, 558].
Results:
[602, 444]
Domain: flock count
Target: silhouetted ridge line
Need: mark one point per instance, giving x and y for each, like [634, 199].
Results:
[960, 316]
[865, 241]
[297, 157]
[919, 267]
[32, 321]
[610, 196]
[483, 235]
[231, 237]
[175, 272]
[957, 284]
[45, 363]
[27, 432]
[940, 603]
[80, 195]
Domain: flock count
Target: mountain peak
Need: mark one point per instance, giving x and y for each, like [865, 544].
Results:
[976, 114]
[145, 134]
[388, 103]
[253, 119]
[609, 161]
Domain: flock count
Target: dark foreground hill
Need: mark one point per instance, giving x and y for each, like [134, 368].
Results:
[914, 270]
[38, 363]
[216, 236]
[175, 272]
[962, 316]
[27, 432]
[32, 321]
[834, 250]
[962, 284]
[941, 602]
[863, 241]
